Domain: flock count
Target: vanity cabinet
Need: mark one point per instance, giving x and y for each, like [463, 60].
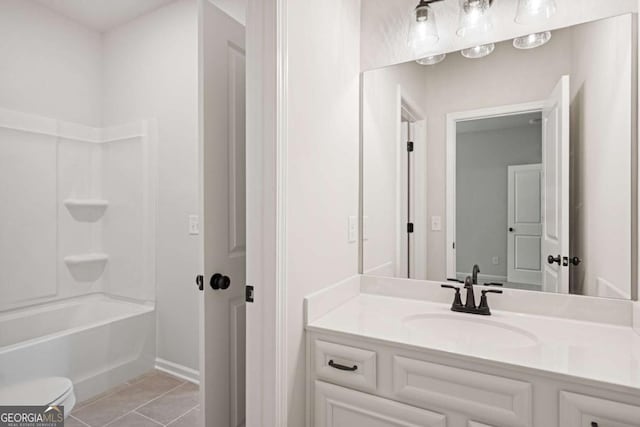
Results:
[356, 382]
[577, 410]
[342, 407]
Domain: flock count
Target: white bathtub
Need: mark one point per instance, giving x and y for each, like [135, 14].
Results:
[96, 341]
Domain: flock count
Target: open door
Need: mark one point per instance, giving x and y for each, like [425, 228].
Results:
[222, 153]
[555, 158]
[524, 216]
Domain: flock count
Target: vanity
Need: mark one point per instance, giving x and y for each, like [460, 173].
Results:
[390, 352]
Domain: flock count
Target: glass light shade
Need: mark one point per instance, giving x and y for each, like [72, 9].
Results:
[475, 18]
[478, 51]
[431, 60]
[423, 30]
[535, 11]
[532, 40]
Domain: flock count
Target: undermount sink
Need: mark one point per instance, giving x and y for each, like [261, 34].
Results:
[472, 330]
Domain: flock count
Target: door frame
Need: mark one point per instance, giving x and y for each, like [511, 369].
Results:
[451, 140]
[266, 148]
[407, 109]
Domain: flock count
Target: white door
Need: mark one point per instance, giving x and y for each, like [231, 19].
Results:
[555, 212]
[524, 217]
[337, 406]
[222, 153]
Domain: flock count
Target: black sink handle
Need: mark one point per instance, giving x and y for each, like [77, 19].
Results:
[342, 367]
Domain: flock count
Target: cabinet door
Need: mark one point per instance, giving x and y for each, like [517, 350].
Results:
[337, 406]
[577, 410]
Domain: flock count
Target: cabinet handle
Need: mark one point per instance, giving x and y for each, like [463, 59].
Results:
[594, 424]
[342, 367]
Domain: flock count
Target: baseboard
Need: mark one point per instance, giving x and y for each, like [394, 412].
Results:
[177, 370]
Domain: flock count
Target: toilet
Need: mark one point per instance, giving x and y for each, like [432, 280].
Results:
[51, 391]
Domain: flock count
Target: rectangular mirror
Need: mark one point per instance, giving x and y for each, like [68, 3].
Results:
[522, 162]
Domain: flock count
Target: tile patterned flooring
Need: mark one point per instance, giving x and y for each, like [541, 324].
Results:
[152, 400]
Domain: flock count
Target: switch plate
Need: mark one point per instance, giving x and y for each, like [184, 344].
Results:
[436, 223]
[194, 225]
[353, 229]
[495, 260]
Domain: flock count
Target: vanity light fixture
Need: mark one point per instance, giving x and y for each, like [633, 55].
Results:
[535, 11]
[532, 40]
[423, 30]
[475, 18]
[432, 59]
[478, 51]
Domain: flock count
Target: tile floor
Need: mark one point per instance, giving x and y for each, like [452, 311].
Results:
[152, 400]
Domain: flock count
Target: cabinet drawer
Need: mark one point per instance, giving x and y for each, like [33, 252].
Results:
[340, 407]
[577, 410]
[345, 365]
[488, 399]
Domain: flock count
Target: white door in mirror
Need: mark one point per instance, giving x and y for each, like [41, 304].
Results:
[524, 218]
[555, 208]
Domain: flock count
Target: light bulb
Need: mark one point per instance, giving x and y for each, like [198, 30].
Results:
[532, 40]
[432, 59]
[478, 51]
[423, 30]
[535, 11]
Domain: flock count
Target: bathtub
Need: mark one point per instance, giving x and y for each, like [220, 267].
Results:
[96, 341]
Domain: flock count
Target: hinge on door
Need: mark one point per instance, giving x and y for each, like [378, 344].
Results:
[248, 293]
[409, 146]
[410, 227]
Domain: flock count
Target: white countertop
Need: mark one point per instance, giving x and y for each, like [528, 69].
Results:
[581, 349]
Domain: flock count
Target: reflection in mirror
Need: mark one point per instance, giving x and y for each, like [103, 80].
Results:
[519, 162]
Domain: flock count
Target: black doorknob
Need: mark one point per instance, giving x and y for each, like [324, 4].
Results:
[575, 260]
[511, 229]
[219, 281]
[551, 259]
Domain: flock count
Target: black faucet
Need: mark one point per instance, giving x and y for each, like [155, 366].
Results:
[470, 304]
[474, 274]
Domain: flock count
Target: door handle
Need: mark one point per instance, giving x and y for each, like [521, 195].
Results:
[557, 260]
[200, 282]
[575, 260]
[219, 281]
[511, 230]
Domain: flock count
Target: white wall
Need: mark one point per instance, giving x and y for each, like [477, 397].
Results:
[51, 65]
[601, 114]
[381, 115]
[508, 76]
[322, 166]
[482, 159]
[150, 71]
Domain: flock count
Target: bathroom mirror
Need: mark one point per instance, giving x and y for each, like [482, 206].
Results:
[521, 162]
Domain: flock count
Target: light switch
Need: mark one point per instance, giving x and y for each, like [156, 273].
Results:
[194, 225]
[353, 229]
[436, 223]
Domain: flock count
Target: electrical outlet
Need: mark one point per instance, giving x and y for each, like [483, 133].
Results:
[495, 260]
[194, 225]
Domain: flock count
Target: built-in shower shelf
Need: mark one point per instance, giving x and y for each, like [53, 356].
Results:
[86, 210]
[86, 267]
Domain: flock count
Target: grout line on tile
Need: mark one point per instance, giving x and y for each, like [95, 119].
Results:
[176, 419]
[79, 420]
[149, 418]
